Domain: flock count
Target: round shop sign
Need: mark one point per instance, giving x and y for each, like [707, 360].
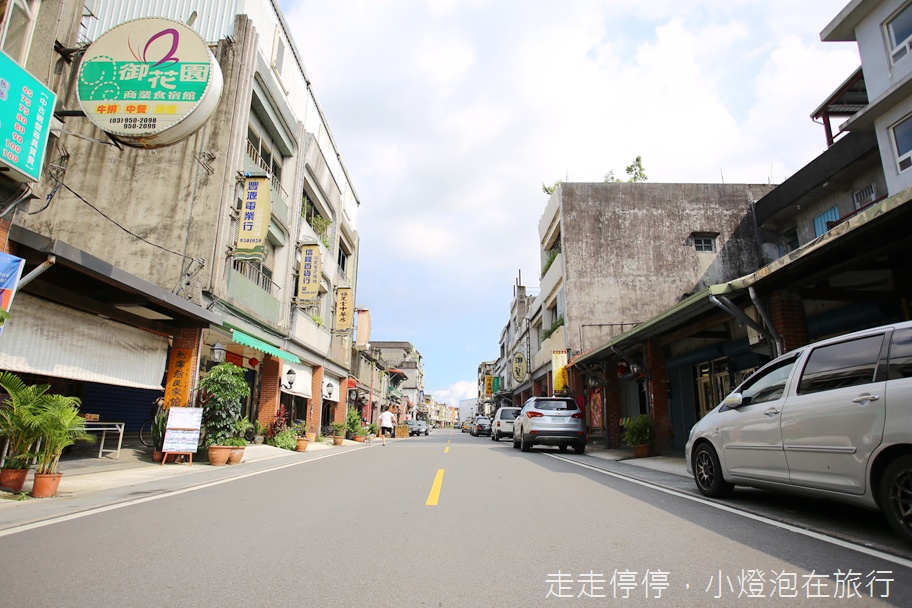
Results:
[151, 82]
[520, 368]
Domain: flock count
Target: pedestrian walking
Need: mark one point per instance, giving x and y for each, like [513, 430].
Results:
[387, 422]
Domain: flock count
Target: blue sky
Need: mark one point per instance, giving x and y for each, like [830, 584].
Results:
[451, 114]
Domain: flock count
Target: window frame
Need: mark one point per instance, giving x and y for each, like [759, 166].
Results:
[898, 49]
[903, 159]
[30, 9]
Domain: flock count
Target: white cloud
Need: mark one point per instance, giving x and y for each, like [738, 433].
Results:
[450, 115]
[456, 392]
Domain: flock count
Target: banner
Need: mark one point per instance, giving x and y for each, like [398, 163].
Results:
[10, 273]
[559, 369]
[520, 367]
[255, 211]
[344, 309]
[489, 386]
[309, 275]
[495, 386]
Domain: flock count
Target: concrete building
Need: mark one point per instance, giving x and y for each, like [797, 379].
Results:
[404, 360]
[486, 388]
[148, 239]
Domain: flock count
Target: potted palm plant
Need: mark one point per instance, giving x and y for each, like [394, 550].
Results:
[18, 429]
[354, 426]
[638, 434]
[221, 392]
[338, 432]
[300, 429]
[59, 425]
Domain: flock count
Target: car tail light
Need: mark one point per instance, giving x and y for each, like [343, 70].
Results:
[577, 415]
[535, 414]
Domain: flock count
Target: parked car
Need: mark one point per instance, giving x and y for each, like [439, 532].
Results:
[550, 421]
[467, 425]
[831, 419]
[481, 426]
[423, 427]
[502, 425]
[413, 427]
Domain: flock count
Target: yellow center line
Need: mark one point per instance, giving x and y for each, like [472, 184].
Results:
[434, 496]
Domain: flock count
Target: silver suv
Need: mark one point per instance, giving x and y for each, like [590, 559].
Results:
[550, 421]
[502, 425]
[832, 419]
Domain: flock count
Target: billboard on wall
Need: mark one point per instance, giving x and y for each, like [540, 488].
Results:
[559, 369]
[151, 82]
[344, 309]
[26, 107]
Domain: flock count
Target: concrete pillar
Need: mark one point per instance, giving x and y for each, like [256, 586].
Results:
[315, 403]
[270, 376]
[612, 397]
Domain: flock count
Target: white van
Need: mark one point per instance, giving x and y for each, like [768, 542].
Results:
[502, 425]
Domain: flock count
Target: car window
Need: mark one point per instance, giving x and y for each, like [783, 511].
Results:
[481, 420]
[768, 384]
[849, 363]
[554, 404]
[507, 414]
[901, 354]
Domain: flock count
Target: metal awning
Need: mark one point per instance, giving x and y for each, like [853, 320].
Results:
[264, 347]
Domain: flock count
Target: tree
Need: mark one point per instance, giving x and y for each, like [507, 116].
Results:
[549, 190]
[635, 172]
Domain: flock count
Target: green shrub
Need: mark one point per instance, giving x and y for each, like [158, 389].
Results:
[286, 439]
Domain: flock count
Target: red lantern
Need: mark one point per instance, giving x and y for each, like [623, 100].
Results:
[253, 361]
[622, 369]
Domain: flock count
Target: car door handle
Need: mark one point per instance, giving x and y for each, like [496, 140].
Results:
[771, 412]
[865, 398]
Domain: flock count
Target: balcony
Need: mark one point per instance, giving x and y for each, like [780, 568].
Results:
[253, 290]
[306, 331]
[279, 195]
[551, 282]
[554, 342]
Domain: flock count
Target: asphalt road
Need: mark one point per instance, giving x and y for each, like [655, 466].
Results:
[444, 520]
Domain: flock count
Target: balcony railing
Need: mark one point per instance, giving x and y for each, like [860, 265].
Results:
[254, 274]
[262, 164]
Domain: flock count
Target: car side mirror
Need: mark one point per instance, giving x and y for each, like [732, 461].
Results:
[734, 400]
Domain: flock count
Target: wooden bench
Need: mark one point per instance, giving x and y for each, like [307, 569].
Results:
[104, 427]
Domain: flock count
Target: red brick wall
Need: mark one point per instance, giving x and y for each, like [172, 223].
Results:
[4, 236]
[658, 391]
[315, 403]
[270, 375]
[787, 312]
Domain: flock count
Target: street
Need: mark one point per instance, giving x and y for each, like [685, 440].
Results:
[449, 520]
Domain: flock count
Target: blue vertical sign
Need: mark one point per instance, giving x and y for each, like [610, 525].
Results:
[10, 273]
[26, 107]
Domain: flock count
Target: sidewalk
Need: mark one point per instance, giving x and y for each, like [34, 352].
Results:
[667, 464]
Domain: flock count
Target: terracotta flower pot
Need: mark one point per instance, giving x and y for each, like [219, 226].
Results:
[157, 456]
[337, 439]
[359, 438]
[302, 444]
[13, 479]
[218, 455]
[235, 455]
[45, 485]
[641, 451]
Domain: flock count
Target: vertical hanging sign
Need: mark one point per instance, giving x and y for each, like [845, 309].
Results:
[180, 373]
[489, 385]
[255, 210]
[344, 309]
[559, 369]
[309, 275]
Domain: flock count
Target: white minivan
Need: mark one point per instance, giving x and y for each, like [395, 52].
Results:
[831, 419]
[502, 425]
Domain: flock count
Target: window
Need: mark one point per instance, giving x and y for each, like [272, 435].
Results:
[902, 143]
[770, 385]
[17, 21]
[850, 363]
[901, 354]
[342, 260]
[704, 243]
[899, 32]
[866, 195]
[820, 222]
[790, 240]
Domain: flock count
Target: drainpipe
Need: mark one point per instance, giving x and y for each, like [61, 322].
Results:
[778, 343]
[736, 312]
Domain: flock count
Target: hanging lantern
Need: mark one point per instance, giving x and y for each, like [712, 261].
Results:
[253, 361]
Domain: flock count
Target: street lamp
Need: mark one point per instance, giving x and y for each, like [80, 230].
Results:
[290, 376]
[217, 353]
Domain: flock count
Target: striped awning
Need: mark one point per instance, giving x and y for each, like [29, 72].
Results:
[264, 347]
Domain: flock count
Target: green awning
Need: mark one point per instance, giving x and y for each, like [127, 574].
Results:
[242, 338]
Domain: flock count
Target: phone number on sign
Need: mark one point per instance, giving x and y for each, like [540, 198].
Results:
[144, 122]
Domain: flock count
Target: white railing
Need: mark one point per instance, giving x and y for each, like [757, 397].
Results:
[253, 273]
[262, 164]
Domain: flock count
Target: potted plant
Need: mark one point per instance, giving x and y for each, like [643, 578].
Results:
[353, 425]
[300, 429]
[17, 427]
[338, 432]
[259, 433]
[59, 425]
[638, 434]
[238, 442]
[159, 426]
[221, 392]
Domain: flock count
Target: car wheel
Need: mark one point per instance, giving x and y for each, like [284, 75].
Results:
[580, 447]
[708, 473]
[562, 448]
[515, 442]
[524, 445]
[896, 496]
